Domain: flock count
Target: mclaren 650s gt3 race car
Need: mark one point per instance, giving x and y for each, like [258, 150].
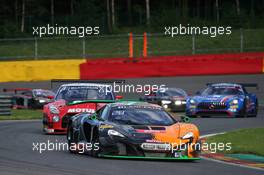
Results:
[137, 130]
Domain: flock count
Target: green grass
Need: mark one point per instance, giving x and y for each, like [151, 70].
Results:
[245, 141]
[117, 45]
[23, 114]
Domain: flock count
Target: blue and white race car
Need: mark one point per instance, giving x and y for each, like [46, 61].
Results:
[223, 99]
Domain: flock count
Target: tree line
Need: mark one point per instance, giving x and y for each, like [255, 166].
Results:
[18, 16]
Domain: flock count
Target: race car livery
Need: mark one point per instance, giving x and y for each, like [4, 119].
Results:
[172, 99]
[30, 98]
[136, 129]
[223, 99]
[72, 99]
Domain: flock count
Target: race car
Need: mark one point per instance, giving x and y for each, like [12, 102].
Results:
[223, 99]
[71, 99]
[133, 129]
[30, 98]
[172, 99]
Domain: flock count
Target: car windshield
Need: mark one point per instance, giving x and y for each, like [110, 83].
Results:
[141, 116]
[80, 93]
[217, 90]
[43, 93]
[173, 92]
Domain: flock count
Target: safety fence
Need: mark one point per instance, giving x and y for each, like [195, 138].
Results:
[130, 45]
[5, 105]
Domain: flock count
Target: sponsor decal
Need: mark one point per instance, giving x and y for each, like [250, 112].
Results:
[79, 110]
[106, 126]
[149, 131]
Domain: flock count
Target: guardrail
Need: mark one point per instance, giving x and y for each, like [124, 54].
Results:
[5, 105]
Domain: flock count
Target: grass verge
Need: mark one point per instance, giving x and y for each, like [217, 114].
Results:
[244, 141]
[23, 114]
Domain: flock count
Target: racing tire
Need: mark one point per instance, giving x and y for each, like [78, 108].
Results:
[243, 111]
[256, 110]
[70, 139]
[95, 152]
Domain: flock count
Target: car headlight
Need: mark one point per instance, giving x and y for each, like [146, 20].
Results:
[178, 102]
[55, 118]
[192, 101]
[188, 135]
[235, 102]
[54, 109]
[42, 101]
[115, 133]
[165, 102]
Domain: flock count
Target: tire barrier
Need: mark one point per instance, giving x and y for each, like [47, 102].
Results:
[5, 104]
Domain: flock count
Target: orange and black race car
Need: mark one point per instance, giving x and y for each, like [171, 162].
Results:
[138, 130]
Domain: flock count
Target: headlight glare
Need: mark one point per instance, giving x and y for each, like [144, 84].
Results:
[188, 135]
[178, 102]
[55, 118]
[192, 101]
[235, 102]
[53, 109]
[115, 133]
[165, 102]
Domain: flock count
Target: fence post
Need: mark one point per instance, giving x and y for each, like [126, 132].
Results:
[241, 40]
[36, 49]
[83, 48]
[193, 44]
[130, 46]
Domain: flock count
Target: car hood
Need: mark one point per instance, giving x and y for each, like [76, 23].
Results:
[216, 98]
[159, 134]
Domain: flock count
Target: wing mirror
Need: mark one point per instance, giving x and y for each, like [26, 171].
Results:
[185, 119]
[93, 116]
[118, 97]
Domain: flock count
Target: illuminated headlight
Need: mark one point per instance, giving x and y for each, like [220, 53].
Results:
[54, 109]
[178, 102]
[188, 135]
[42, 101]
[55, 118]
[235, 102]
[165, 106]
[192, 101]
[115, 133]
[165, 102]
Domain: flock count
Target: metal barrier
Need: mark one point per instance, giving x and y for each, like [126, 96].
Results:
[5, 105]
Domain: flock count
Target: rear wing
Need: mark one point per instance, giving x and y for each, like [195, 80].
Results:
[85, 81]
[253, 85]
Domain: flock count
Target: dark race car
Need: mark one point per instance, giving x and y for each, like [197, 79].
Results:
[223, 99]
[128, 129]
[172, 99]
[30, 98]
[72, 99]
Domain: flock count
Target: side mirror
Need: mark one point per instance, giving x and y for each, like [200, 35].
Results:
[93, 116]
[185, 119]
[118, 97]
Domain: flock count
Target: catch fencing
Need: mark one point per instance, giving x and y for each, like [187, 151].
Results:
[110, 46]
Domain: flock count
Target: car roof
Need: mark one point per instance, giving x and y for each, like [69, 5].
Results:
[84, 84]
[134, 103]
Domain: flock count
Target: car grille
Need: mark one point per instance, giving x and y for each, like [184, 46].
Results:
[65, 120]
[211, 105]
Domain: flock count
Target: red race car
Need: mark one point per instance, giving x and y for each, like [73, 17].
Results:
[72, 99]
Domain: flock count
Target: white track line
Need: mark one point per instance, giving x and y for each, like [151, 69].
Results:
[224, 162]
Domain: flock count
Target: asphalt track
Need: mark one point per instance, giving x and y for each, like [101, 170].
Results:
[17, 138]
